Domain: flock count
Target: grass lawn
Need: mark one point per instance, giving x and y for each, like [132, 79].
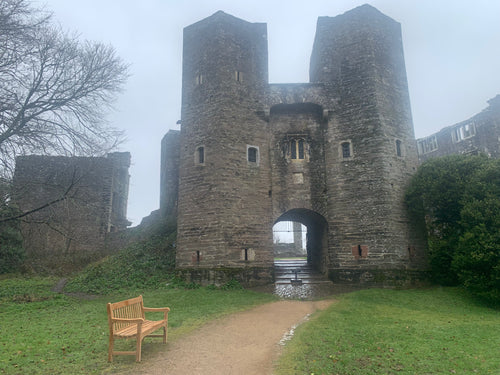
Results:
[47, 333]
[434, 331]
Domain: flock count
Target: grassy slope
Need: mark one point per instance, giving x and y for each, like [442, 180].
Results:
[46, 333]
[435, 331]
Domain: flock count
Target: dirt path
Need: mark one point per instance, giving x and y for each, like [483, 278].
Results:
[245, 343]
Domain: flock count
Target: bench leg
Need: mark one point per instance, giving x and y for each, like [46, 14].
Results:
[164, 335]
[110, 349]
[138, 349]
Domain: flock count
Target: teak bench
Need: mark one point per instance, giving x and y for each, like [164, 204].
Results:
[127, 320]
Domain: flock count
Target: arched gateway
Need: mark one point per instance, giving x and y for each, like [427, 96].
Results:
[334, 154]
[316, 244]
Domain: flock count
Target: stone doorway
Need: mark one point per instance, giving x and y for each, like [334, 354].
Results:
[305, 232]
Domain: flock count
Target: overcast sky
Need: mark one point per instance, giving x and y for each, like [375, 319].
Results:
[452, 52]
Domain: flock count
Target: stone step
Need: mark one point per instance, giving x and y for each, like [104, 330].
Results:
[304, 282]
[284, 271]
[299, 275]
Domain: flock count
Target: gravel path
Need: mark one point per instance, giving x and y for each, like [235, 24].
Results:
[244, 343]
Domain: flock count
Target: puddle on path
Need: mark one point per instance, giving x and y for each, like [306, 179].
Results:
[288, 335]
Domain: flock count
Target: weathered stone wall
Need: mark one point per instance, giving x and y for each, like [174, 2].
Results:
[335, 154]
[478, 135]
[120, 180]
[75, 201]
[169, 174]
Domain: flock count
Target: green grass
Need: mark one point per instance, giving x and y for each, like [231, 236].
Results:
[435, 331]
[42, 332]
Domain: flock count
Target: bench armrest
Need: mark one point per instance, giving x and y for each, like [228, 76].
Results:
[166, 309]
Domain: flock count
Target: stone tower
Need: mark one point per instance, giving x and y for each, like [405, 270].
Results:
[334, 154]
[359, 58]
[224, 202]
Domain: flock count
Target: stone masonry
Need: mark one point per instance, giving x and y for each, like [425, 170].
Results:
[334, 154]
[76, 202]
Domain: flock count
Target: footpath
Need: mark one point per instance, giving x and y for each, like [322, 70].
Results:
[245, 343]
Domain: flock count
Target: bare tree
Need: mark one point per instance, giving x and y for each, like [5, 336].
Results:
[54, 89]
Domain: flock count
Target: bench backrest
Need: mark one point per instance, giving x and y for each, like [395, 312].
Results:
[130, 309]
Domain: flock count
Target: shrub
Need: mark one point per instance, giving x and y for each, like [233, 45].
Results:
[460, 198]
[11, 249]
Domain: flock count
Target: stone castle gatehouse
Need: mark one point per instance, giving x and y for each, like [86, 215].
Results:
[334, 154]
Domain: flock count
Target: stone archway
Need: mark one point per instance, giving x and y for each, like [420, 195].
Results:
[317, 235]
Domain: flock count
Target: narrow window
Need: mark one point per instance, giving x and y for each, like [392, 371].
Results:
[427, 145]
[199, 79]
[301, 148]
[468, 131]
[297, 149]
[398, 148]
[200, 155]
[346, 150]
[463, 132]
[252, 154]
[238, 76]
[293, 148]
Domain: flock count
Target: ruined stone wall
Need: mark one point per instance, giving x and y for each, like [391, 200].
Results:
[120, 180]
[76, 202]
[169, 173]
[478, 135]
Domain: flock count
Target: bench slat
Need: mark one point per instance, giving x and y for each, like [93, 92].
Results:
[147, 326]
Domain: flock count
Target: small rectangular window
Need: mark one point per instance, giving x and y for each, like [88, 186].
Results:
[238, 76]
[398, 148]
[252, 155]
[346, 150]
[200, 155]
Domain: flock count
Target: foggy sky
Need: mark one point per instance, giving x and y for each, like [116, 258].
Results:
[451, 50]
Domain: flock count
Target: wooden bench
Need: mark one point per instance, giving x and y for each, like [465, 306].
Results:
[127, 320]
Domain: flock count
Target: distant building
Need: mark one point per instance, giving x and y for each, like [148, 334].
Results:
[478, 135]
[74, 202]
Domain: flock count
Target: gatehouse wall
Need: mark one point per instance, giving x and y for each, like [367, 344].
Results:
[334, 154]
